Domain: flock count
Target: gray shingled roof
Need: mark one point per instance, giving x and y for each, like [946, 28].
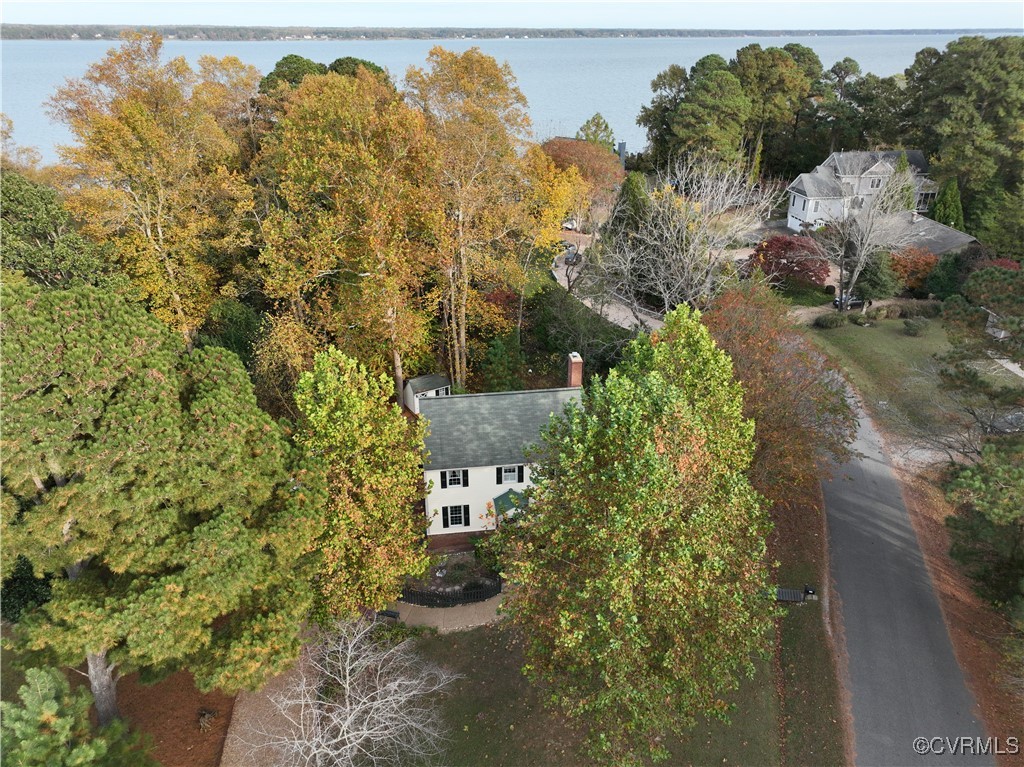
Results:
[855, 163]
[429, 382]
[935, 237]
[818, 185]
[488, 429]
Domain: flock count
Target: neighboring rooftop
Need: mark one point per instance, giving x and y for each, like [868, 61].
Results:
[934, 237]
[488, 429]
[819, 185]
[856, 163]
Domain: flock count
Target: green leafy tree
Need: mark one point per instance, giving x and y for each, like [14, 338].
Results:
[349, 65]
[41, 241]
[669, 89]
[713, 116]
[878, 280]
[776, 86]
[49, 727]
[291, 70]
[372, 459]
[644, 605]
[162, 500]
[966, 103]
[988, 531]
[881, 105]
[947, 208]
[597, 131]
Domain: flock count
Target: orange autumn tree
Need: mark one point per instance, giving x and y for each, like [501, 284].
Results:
[795, 397]
[153, 172]
[348, 248]
[477, 114]
[913, 265]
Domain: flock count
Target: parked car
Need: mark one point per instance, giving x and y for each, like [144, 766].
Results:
[574, 258]
[852, 302]
[571, 224]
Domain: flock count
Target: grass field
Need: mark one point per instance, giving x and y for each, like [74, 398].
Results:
[804, 294]
[894, 372]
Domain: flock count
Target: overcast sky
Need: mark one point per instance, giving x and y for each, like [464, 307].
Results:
[672, 14]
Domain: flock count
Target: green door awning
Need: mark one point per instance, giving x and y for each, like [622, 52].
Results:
[510, 500]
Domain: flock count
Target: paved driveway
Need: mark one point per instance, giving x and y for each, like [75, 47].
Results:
[903, 679]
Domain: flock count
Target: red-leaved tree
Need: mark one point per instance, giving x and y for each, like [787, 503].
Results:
[913, 265]
[795, 397]
[784, 257]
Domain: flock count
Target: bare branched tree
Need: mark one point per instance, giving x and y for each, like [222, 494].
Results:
[869, 227]
[668, 248]
[355, 699]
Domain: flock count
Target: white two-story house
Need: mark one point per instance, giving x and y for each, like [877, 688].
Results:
[846, 181]
[476, 464]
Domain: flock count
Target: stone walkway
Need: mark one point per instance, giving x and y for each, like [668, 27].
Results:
[255, 708]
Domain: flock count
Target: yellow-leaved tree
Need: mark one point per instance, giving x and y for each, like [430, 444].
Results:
[153, 170]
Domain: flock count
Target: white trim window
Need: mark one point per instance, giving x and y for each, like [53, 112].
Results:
[455, 516]
[509, 475]
[455, 478]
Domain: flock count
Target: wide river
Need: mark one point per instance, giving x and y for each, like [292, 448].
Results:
[565, 80]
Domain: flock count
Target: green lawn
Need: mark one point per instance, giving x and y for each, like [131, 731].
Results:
[894, 372]
[497, 717]
[804, 294]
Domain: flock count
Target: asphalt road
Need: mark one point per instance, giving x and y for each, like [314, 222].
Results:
[903, 678]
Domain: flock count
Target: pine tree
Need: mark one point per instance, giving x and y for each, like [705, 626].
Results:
[164, 503]
[947, 208]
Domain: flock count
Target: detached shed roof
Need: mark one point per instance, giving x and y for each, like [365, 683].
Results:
[488, 429]
[428, 382]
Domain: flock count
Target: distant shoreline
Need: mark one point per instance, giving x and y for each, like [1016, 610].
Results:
[195, 32]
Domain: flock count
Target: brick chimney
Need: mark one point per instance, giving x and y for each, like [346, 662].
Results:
[575, 371]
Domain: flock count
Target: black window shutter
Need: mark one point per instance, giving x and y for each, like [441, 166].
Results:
[444, 516]
[465, 477]
[520, 471]
[444, 482]
[465, 515]
[497, 475]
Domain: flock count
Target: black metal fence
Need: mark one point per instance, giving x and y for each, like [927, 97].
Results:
[476, 590]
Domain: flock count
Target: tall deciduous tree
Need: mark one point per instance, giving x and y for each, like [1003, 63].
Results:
[372, 459]
[796, 399]
[478, 116]
[640, 559]
[666, 248]
[154, 490]
[599, 169]
[347, 251]
[151, 172]
[879, 224]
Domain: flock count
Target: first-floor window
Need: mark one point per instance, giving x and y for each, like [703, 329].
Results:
[805, 205]
[817, 206]
[455, 516]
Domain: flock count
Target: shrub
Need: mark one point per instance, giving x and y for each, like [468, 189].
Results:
[861, 320]
[915, 326]
[876, 314]
[829, 321]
